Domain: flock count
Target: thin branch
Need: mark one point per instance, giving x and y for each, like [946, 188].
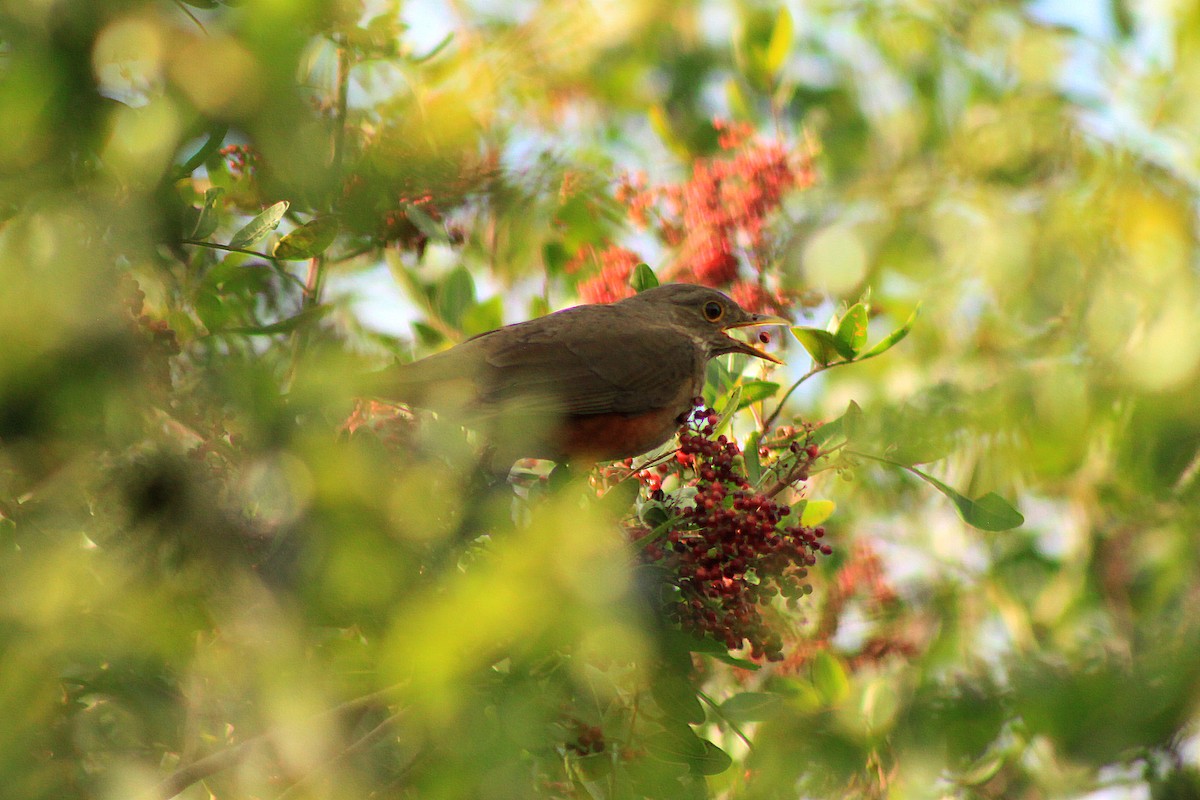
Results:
[369, 738]
[816, 368]
[184, 777]
[271, 261]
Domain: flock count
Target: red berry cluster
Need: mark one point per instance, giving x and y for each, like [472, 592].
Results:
[734, 549]
[717, 220]
[242, 161]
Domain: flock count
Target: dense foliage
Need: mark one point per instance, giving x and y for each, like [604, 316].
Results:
[229, 572]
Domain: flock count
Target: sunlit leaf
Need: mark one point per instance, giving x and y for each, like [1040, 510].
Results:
[756, 391]
[817, 511]
[258, 228]
[736, 98]
[643, 278]
[309, 240]
[780, 43]
[829, 677]
[822, 345]
[852, 331]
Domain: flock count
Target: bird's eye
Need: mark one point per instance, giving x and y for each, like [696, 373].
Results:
[713, 311]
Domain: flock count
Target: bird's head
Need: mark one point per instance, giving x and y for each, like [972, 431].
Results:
[706, 314]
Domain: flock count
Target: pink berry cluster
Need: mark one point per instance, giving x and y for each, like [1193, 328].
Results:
[733, 549]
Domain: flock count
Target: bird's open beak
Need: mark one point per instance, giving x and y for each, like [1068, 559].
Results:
[754, 321]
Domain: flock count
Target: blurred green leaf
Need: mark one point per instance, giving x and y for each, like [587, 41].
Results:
[305, 317]
[751, 707]
[427, 225]
[840, 430]
[780, 43]
[678, 700]
[456, 294]
[817, 511]
[483, 317]
[207, 219]
[991, 512]
[714, 761]
[830, 678]
[257, 229]
[893, 338]
[309, 240]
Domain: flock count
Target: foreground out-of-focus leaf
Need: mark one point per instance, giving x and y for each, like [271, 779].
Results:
[751, 707]
[893, 338]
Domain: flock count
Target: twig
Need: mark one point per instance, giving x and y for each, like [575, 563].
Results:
[816, 368]
[221, 760]
[732, 725]
[372, 736]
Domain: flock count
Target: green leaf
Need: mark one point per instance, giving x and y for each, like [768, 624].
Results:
[751, 457]
[780, 44]
[829, 677]
[678, 701]
[206, 220]
[714, 760]
[309, 240]
[676, 746]
[455, 295]
[756, 391]
[427, 225]
[991, 512]
[257, 228]
[852, 331]
[739, 107]
[483, 317]
[429, 336]
[643, 278]
[660, 123]
[893, 338]
[705, 646]
[728, 410]
[817, 511]
[751, 707]
[822, 345]
[305, 317]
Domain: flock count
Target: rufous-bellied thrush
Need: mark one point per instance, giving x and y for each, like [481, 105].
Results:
[589, 383]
